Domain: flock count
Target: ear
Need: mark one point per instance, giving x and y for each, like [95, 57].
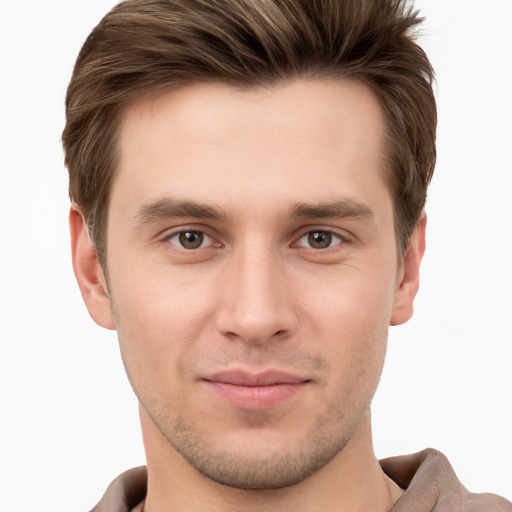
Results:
[409, 276]
[88, 271]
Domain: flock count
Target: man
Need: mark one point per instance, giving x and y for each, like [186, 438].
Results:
[248, 181]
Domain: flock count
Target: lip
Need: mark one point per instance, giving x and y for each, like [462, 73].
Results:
[255, 391]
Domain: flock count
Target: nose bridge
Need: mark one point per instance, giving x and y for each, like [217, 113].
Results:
[256, 306]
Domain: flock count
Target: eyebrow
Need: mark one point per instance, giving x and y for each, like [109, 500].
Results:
[171, 208]
[338, 209]
[166, 208]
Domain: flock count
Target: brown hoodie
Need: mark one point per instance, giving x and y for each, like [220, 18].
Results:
[430, 482]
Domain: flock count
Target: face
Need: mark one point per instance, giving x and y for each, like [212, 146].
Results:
[252, 273]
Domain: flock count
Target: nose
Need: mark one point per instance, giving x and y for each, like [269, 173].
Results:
[256, 304]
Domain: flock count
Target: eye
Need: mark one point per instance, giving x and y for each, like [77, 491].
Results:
[191, 240]
[319, 239]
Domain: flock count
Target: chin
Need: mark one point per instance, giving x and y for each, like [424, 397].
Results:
[275, 470]
[261, 458]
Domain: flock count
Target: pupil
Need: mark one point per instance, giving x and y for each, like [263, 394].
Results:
[191, 239]
[320, 239]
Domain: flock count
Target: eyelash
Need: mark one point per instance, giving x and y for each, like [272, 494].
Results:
[183, 232]
[331, 236]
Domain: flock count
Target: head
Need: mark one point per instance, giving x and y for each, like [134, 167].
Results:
[144, 47]
[252, 177]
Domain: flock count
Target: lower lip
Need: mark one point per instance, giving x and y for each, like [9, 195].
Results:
[256, 398]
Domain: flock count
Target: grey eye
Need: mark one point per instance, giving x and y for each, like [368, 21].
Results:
[191, 239]
[319, 239]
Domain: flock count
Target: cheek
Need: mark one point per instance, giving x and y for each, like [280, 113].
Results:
[352, 321]
[353, 302]
[356, 361]
[158, 325]
[160, 307]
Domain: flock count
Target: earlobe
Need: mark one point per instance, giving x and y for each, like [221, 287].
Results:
[88, 271]
[409, 282]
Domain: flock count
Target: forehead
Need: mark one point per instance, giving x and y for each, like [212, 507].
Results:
[302, 137]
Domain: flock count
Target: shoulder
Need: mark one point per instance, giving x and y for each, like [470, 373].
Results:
[432, 486]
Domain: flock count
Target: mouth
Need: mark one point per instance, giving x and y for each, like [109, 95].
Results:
[255, 391]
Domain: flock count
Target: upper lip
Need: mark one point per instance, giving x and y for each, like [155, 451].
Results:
[265, 378]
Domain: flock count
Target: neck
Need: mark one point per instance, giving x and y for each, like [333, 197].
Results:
[352, 480]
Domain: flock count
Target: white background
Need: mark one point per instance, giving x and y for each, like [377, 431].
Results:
[68, 420]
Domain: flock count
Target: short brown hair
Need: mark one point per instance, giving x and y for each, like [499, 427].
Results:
[144, 46]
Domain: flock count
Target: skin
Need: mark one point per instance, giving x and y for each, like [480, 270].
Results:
[290, 266]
